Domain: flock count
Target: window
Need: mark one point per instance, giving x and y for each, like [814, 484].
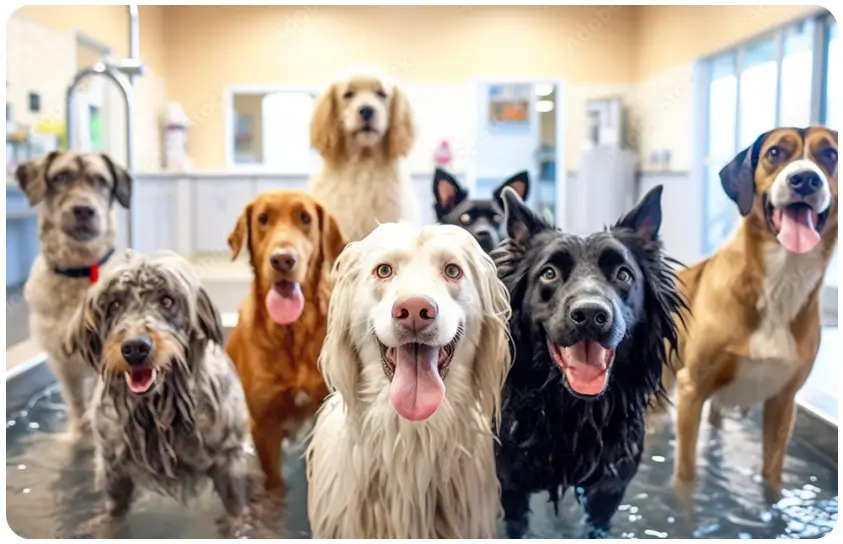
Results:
[797, 64]
[722, 124]
[757, 111]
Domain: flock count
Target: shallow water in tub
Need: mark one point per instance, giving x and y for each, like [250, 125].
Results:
[50, 491]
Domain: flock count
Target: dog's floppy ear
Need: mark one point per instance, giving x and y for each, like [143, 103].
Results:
[646, 217]
[83, 336]
[208, 317]
[325, 130]
[738, 177]
[339, 362]
[333, 239]
[122, 182]
[402, 127]
[32, 177]
[494, 358]
[447, 191]
[242, 232]
[521, 222]
[520, 183]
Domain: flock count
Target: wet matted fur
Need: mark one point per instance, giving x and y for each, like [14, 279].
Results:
[189, 425]
[363, 127]
[75, 195]
[372, 473]
[553, 437]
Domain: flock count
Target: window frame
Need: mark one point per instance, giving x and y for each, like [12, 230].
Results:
[822, 21]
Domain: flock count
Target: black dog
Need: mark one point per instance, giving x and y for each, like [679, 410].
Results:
[591, 322]
[482, 218]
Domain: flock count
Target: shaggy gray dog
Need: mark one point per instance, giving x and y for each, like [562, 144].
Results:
[169, 412]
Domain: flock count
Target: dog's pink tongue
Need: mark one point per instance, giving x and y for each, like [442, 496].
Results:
[417, 389]
[797, 233]
[285, 302]
[586, 369]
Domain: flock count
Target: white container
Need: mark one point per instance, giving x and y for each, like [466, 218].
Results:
[175, 138]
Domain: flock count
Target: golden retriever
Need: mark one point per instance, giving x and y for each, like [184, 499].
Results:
[416, 354]
[292, 242]
[362, 127]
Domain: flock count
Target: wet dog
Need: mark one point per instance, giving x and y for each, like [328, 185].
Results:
[482, 218]
[75, 194]
[591, 317]
[756, 328]
[169, 413]
[292, 241]
[416, 355]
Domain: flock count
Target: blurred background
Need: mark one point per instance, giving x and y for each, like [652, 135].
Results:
[599, 103]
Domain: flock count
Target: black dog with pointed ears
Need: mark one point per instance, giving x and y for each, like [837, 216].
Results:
[482, 218]
[591, 325]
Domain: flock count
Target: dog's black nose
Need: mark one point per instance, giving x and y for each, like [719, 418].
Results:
[136, 350]
[83, 212]
[367, 112]
[591, 317]
[805, 183]
[283, 260]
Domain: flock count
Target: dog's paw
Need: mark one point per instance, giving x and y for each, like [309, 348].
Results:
[101, 526]
[683, 488]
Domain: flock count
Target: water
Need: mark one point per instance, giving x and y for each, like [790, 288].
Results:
[50, 492]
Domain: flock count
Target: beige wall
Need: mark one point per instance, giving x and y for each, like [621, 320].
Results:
[296, 45]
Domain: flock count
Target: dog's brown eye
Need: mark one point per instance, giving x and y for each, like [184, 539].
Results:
[549, 273]
[263, 218]
[465, 219]
[61, 177]
[830, 155]
[166, 302]
[348, 95]
[453, 271]
[381, 94]
[305, 218]
[623, 275]
[383, 271]
[114, 306]
[775, 153]
[100, 181]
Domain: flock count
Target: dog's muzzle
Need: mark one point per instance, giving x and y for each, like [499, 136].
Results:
[797, 206]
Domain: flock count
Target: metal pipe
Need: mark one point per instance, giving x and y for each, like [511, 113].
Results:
[134, 36]
[100, 69]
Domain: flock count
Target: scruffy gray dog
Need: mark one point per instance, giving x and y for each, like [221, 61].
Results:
[169, 412]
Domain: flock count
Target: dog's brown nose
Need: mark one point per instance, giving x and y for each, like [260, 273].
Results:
[414, 312]
[283, 260]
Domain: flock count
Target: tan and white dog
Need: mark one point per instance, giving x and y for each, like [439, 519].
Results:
[755, 304]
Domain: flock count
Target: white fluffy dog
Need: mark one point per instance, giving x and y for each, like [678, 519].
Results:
[363, 125]
[416, 355]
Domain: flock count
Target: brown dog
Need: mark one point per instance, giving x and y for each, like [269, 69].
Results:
[755, 304]
[293, 242]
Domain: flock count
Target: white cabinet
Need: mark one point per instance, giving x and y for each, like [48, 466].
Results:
[153, 214]
[217, 204]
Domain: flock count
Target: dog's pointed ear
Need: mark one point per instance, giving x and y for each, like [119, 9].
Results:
[242, 232]
[122, 182]
[32, 177]
[208, 317]
[520, 183]
[738, 177]
[83, 338]
[402, 127]
[646, 217]
[325, 131]
[521, 222]
[447, 191]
